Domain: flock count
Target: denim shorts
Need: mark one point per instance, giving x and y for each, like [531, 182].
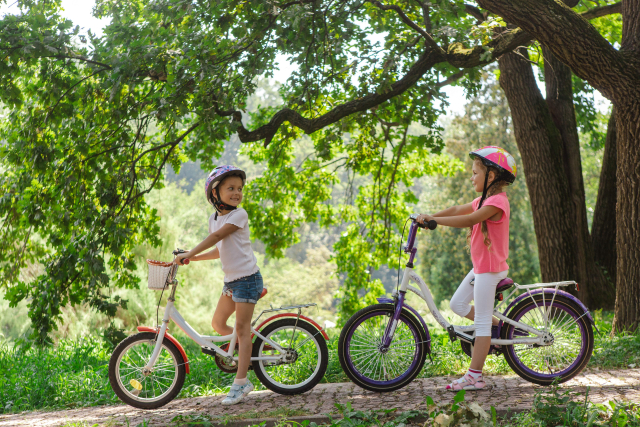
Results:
[244, 289]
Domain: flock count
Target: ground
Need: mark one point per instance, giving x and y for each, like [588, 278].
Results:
[505, 392]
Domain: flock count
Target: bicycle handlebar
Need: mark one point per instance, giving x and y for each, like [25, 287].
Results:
[184, 261]
[431, 225]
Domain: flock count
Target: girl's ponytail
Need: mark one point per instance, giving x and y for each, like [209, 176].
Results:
[496, 187]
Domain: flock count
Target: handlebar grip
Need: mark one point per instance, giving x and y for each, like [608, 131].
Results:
[432, 224]
[184, 261]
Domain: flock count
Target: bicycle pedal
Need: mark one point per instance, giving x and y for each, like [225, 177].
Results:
[452, 333]
[207, 350]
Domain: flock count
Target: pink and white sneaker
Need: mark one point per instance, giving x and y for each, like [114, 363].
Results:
[467, 383]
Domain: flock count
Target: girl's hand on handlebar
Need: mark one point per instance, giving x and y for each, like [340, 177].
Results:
[180, 257]
[424, 218]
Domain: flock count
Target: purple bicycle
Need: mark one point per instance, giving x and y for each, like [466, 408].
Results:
[545, 334]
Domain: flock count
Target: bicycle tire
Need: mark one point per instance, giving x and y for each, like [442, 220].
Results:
[264, 372]
[348, 362]
[128, 396]
[560, 309]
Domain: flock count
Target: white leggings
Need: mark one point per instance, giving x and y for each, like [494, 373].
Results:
[483, 293]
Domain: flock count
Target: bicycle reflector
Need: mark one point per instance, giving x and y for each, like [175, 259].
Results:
[499, 296]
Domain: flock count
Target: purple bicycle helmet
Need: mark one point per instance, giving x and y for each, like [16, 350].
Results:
[215, 177]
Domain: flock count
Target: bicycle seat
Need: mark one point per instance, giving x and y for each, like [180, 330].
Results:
[504, 284]
[264, 292]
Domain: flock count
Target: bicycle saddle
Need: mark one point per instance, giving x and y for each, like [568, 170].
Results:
[504, 284]
[264, 292]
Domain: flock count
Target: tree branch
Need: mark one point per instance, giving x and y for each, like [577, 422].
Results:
[430, 41]
[475, 12]
[571, 39]
[597, 12]
[268, 131]
[457, 56]
[81, 58]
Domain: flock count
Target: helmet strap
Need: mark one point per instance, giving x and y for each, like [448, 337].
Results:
[220, 205]
[485, 188]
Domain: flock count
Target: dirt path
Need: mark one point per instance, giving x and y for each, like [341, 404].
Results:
[505, 392]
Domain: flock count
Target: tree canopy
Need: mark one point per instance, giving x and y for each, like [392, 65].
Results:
[91, 123]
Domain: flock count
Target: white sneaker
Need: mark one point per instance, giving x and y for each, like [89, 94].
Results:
[237, 393]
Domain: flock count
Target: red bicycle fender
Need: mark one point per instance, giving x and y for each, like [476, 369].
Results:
[173, 340]
[305, 318]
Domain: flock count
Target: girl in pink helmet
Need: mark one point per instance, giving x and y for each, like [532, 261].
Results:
[229, 232]
[487, 218]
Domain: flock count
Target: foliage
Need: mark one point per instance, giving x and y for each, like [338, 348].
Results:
[552, 406]
[100, 118]
[307, 277]
[620, 350]
[92, 122]
[459, 413]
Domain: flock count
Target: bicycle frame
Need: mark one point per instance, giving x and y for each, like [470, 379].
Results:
[171, 313]
[459, 331]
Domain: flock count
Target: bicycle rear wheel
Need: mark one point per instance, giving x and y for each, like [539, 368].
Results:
[305, 361]
[364, 360]
[572, 343]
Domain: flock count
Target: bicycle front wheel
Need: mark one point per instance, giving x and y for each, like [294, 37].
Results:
[304, 362]
[572, 344]
[370, 366]
[141, 388]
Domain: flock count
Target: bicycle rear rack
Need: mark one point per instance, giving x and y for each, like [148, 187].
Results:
[288, 307]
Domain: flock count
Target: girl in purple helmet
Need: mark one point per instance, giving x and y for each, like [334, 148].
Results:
[229, 232]
[487, 218]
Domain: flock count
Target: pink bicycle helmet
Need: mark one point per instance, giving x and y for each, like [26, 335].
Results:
[215, 177]
[499, 158]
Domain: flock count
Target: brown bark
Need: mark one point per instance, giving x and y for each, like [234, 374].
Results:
[627, 312]
[627, 105]
[593, 290]
[603, 229]
[573, 40]
[616, 74]
[541, 149]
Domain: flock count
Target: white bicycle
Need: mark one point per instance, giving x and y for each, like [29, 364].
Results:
[545, 334]
[147, 370]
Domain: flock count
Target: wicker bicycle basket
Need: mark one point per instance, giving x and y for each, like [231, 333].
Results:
[159, 274]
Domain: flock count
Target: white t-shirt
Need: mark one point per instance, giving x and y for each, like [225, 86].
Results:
[235, 250]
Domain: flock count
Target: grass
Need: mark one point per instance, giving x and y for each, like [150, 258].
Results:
[74, 372]
[552, 407]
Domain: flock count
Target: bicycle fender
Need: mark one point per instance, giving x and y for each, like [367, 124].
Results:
[305, 318]
[415, 312]
[551, 291]
[171, 338]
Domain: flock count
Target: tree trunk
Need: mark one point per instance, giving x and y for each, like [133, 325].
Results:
[627, 102]
[541, 149]
[593, 286]
[603, 229]
[616, 74]
[627, 315]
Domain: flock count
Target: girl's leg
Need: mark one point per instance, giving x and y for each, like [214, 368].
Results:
[224, 310]
[472, 315]
[484, 299]
[244, 313]
[462, 297]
